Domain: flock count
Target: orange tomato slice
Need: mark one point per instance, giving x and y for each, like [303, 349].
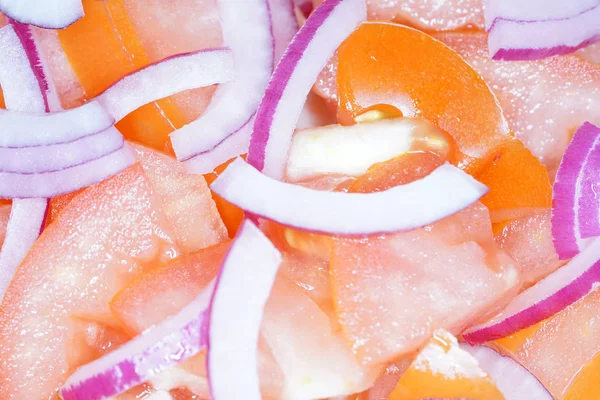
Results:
[102, 47]
[443, 370]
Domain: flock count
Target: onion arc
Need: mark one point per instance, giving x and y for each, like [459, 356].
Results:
[444, 192]
[168, 77]
[547, 297]
[511, 378]
[51, 14]
[539, 29]
[235, 314]
[164, 345]
[247, 32]
[314, 44]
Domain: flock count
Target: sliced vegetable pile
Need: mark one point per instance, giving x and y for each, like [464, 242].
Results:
[277, 199]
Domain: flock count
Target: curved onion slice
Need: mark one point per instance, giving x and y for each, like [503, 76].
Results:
[27, 130]
[167, 77]
[544, 299]
[247, 32]
[568, 201]
[25, 224]
[513, 380]
[524, 39]
[22, 92]
[589, 200]
[235, 313]
[51, 184]
[284, 27]
[41, 159]
[164, 345]
[311, 48]
[444, 192]
[52, 14]
[534, 10]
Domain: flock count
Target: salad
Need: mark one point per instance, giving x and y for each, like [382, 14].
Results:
[277, 199]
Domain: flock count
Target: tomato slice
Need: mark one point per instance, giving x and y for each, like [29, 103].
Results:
[443, 370]
[391, 292]
[102, 240]
[4, 217]
[408, 69]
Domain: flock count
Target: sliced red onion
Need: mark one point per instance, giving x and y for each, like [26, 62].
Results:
[284, 27]
[27, 130]
[51, 184]
[304, 6]
[42, 159]
[544, 299]
[511, 378]
[235, 314]
[567, 195]
[247, 32]
[22, 92]
[524, 39]
[27, 217]
[168, 77]
[311, 48]
[534, 10]
[589, 199]
[444, 192]
[52, 14]
[159, 348]
[20, 86]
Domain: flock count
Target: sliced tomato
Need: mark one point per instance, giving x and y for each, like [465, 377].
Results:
[528, 240]
[316, 362]
[443, 370]
[114, 38]
[544, 101]
[391, 292]
[562, 350]
[157, 295]
[105, 238]
[186, 200]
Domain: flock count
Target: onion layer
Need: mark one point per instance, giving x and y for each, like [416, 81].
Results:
[157, 349]
[544, 299]
[542, 29]
[311, 48]
[52, 14]
[247, 32]
[513, 380]
[444, 192]
[167, 77]
[573, 195]
[235, 313]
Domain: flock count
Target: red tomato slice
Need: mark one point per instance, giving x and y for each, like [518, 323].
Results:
[544, 101]
[391, 292]
[106, 237]
[4, 217]
[164, 291]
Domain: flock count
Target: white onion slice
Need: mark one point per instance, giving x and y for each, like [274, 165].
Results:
[568, 202]
[52, 14]
[25, 129]
[547, 297]
[535, 39]
[235, 313]
[168, 77]
[284, 27]
[51, 184]
[22, 92]
[444, 192]
[164, 345]
[511, 378]
[247, 32]
[27, 217]
[311, 48]
[42, 159]
[534, 10]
